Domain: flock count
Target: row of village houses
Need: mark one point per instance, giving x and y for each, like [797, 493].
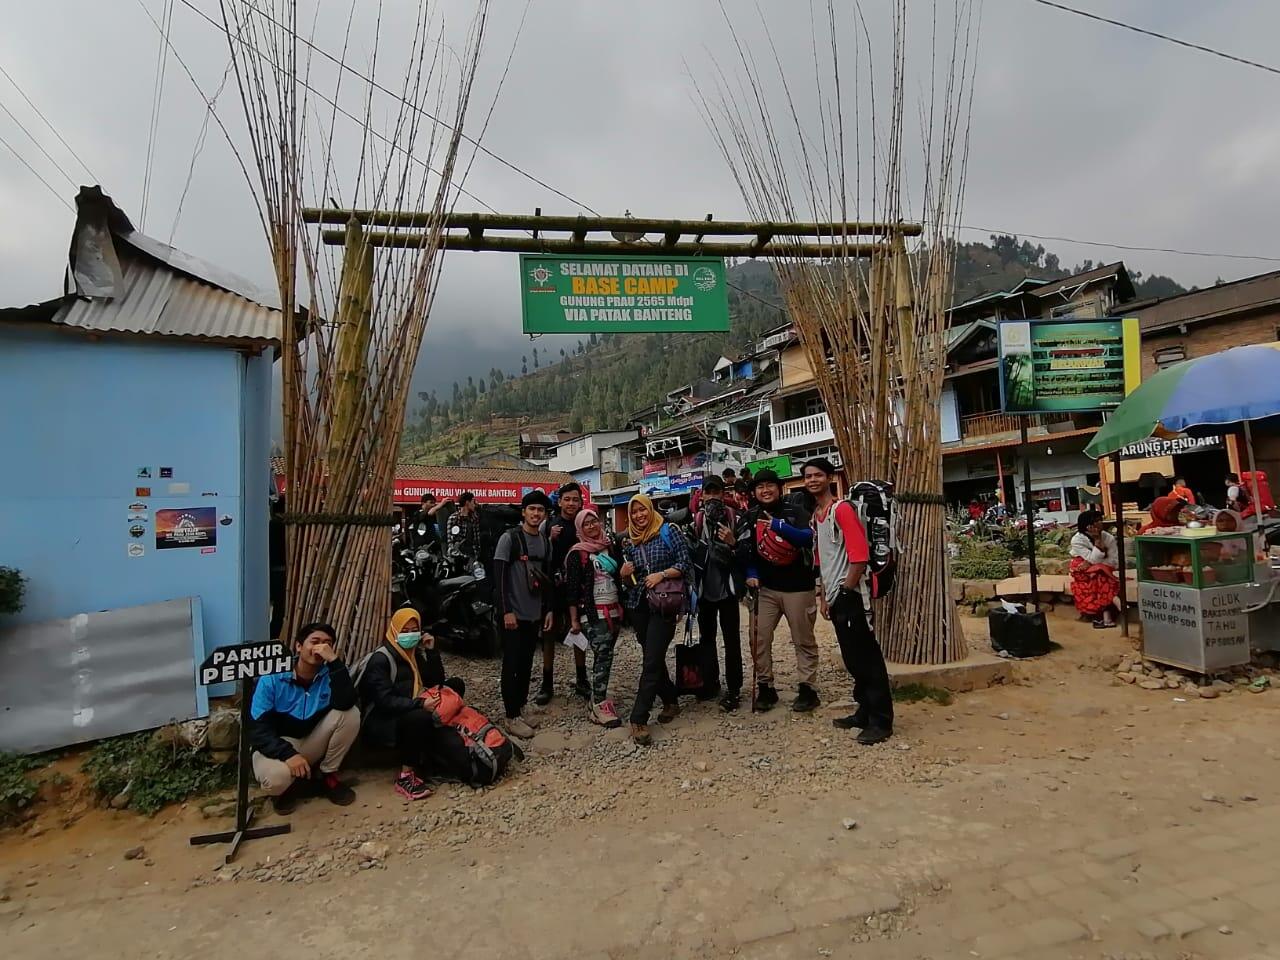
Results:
[765, 404]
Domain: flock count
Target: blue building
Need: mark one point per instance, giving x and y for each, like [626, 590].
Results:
[136, 436]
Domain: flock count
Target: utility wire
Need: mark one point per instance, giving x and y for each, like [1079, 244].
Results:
[341, 64]
[31, 137]
[1159, 36]
[54, 130]
[157, 98]
[1123, 246]
[35, 173]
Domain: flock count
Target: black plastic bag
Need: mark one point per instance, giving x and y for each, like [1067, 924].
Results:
[1018, 634]
[689, 676]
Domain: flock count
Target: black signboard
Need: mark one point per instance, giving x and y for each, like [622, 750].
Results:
[244, 662]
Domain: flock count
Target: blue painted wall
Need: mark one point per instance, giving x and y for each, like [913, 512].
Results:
[90, 415]
[588, 475]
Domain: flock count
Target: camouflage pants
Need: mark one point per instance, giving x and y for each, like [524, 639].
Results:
[602, 640]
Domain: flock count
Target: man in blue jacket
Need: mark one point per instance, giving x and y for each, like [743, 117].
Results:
[302, 723]
[775, 548]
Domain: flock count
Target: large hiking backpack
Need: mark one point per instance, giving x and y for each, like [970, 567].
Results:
[878, 511]
[490, 750]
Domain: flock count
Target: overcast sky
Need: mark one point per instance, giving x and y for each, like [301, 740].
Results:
[1079, 130]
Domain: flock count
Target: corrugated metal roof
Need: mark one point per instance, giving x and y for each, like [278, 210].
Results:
[160, 302]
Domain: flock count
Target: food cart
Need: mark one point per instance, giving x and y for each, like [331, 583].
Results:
[1192, 591]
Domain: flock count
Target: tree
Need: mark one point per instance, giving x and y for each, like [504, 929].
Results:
[524, 367]
[593, 339]
[535, 358]
[482, 388]
[457, 393]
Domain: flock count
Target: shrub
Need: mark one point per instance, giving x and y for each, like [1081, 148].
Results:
[156, 774]
[981, 560]
[13, 586]
[915, 692]
[17, 790]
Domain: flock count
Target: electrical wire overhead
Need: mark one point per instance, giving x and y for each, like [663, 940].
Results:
[52, 129]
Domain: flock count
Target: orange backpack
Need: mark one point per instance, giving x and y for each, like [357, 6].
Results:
[490, 750]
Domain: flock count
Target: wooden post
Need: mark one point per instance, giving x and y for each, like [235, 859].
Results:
[355, 309]
[1124, 583]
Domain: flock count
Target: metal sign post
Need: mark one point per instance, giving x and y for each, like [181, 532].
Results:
[1029, 508]
[244, 663]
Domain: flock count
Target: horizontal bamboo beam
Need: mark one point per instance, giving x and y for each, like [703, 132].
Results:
[462, 241]
[582, 225]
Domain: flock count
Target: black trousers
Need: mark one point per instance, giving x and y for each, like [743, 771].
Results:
[863, 659]
[518, 648]
[655, 634]
[433, 751]
[729, 615]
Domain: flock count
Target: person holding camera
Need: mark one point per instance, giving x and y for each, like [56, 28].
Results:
[713, 526]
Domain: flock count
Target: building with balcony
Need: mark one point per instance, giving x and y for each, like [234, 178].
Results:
[593, 458]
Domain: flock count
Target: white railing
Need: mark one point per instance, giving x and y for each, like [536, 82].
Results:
[802, 432]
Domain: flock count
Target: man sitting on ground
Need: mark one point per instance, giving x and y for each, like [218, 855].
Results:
[302, 723]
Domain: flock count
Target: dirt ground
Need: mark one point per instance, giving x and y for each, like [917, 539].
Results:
[1065, 814]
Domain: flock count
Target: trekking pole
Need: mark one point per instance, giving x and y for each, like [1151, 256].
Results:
[755, 619]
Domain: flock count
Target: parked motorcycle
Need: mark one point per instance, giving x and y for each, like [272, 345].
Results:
[450, 591]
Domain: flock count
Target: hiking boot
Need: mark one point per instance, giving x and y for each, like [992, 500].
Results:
[709, 692]
[854, 721]
[669, 712]
[604, 714]
[517, 727]
[338, 792]
[412, 787]
[544, 695]
[286, 802]
[730, 701]
[806, 699]
[874, 735]
[766, 698]
[640, 734]
[582, 689]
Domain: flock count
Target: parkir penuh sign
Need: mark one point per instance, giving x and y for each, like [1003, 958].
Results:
[641, 294]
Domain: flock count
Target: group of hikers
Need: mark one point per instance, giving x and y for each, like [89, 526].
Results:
[564, 579]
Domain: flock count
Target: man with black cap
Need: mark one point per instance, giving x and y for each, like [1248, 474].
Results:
[522, 570]
[774, 544]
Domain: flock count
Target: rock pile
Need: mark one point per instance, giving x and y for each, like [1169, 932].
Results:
[1255, 678]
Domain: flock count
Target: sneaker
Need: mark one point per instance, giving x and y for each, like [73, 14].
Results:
[669, 712]
[412, 787]
[338, 792]
[806, 699]
[709, 692]
[766, 698]
[544, 695]
[517, 727]
[640, 734]
[604, 714]
[582, 689]
[854, 721]
[874, 735]
[286, 802]
[730, 701]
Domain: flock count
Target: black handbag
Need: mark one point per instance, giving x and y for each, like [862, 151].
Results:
[689, 676]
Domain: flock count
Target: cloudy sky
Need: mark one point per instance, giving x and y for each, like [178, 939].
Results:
[1079, 130]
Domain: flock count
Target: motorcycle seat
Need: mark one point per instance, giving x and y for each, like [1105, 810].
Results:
[455, 583]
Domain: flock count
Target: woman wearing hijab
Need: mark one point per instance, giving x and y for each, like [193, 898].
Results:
[1095, 557]
[1166, 512]
[397, 716]
[593, 585]
[657, 563]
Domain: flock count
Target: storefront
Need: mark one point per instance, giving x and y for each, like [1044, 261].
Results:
[489, 484]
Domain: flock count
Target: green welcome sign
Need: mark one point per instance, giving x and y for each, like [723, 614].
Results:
[781, 465]
[640, 294]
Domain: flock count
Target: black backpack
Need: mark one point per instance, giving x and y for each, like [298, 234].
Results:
[878, 511]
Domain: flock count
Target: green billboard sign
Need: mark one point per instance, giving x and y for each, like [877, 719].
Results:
[781, 465]
[1049, 366]
[640, 294]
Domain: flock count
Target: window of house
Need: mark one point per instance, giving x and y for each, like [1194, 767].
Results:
[1167, 356]
[813, 405]
[1064, 310]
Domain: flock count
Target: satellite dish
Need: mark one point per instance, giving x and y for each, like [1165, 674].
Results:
[623, 236]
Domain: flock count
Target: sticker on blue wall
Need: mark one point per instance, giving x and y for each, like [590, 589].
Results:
[166, 473]
[136, 550]
[190, 527]
[137, 530]
[144, 473]
[225, 520]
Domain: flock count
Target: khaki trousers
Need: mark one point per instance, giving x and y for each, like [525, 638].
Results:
[324, 747]
[801, 611]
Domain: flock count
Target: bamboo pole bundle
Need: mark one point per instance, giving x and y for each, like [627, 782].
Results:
[353, 326]
[874, 332]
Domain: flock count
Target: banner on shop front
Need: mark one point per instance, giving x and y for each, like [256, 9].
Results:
[781, 465]
[639, 294]
[1159, 447]
[1062, 366]
[411, 491]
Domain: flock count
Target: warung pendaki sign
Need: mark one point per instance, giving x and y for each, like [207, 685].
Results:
[640, 294]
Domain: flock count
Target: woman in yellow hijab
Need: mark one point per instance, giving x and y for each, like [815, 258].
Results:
[395, 694]
[656, 570]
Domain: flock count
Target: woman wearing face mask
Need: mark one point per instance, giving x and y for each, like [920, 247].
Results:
[395, 716]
